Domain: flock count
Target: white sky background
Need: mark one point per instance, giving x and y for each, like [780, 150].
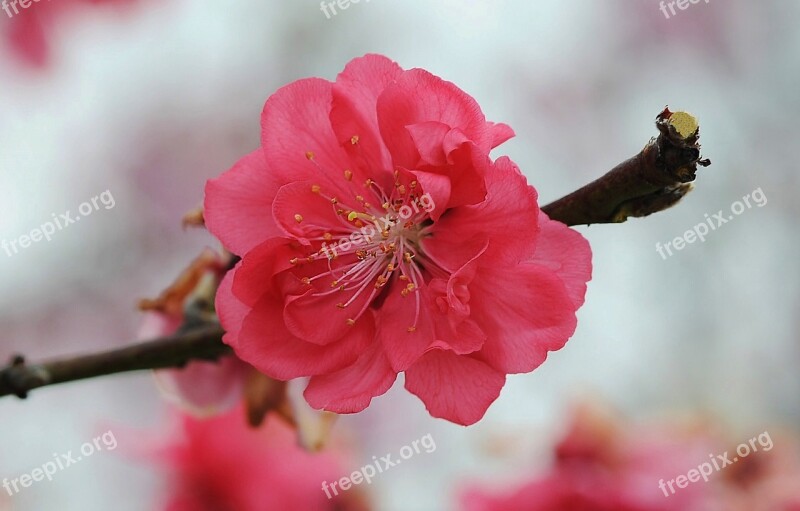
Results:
[151, 105]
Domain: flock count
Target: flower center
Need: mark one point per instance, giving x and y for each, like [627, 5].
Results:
[376, 243]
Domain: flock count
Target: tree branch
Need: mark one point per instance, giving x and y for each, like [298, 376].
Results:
[653, 180]
[203, 343]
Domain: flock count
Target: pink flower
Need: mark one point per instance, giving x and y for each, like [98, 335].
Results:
[605, 465]
[378, 237]
[30, 28]
[222, 464]
[201, 387]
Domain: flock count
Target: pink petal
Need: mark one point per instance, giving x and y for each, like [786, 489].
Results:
[316, 213]
[205, 387]
[508, 219]
[351, 389]
[230, 310]
[499, 133]
[428, 138]
[254, 275]
[266, 343]
[396, 315]
[458, 388]
[525, 311]
[418, 96]
[238, 204]
[439, 187]
[298, 139]
[302, 313]
[353, 112]
[566, 252]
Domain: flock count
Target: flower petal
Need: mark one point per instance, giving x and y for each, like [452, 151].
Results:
[297, 136]
[417, 96]
[396, 316]
[238, 204]
[500, 133]
[525, 311]
[566, 252]
[266, 343]
[458, 388]
[508, 218]
[303, 214]
[353, 111]
[351, 389]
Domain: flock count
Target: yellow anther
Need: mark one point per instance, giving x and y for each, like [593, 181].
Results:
[359, 198]
[298, 217]
[413, 184]
[306, 280]
[386, 206]
[334, 283]
[401, 189]
[348, 174]
[341, 305]
[368, 182]
[334, 200]
[352, 216]
[351, 322]
[315, 188]
[327, 236]
[412, 329]
[354, 139]
[309, 155]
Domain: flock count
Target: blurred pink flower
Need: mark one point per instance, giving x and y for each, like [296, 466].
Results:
[604, 464]
[201, 387]
[377, 236]
[28, 32]
[221, 464]
[204, 388]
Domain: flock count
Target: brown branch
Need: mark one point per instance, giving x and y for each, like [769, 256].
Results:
[653, 180]
[203, 343]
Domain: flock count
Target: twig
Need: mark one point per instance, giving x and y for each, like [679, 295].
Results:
[203, 343]
[653, 180]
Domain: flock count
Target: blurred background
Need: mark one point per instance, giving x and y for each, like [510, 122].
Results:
[147, 99]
